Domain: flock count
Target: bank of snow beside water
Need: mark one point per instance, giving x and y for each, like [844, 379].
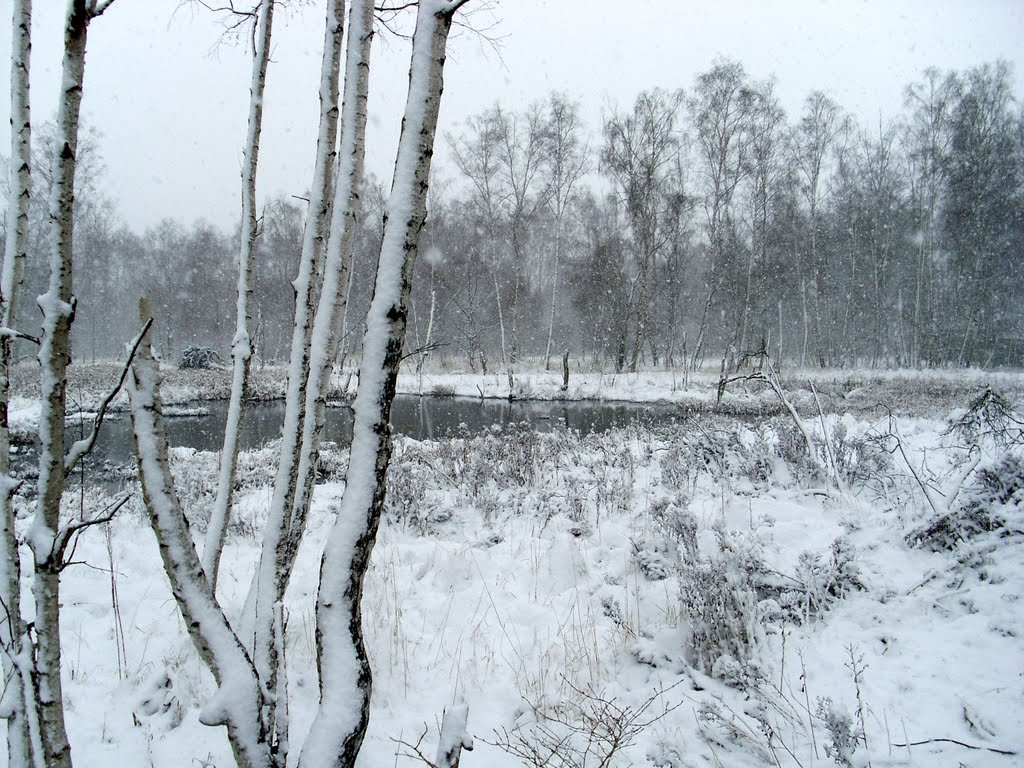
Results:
[544, 574]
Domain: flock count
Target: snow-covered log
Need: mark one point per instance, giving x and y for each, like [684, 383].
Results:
[345, 679]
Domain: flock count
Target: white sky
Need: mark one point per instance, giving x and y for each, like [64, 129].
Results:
[172, 115]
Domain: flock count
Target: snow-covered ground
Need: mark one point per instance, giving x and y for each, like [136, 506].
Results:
[694, 590]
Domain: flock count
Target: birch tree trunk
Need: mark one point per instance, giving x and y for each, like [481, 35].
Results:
[238, 703]
[58, 308]
[292, 493]
[241, 344]
[345, 678]
[257, 623]
[12, 627]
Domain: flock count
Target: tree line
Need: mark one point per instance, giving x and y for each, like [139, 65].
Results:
[697, 226]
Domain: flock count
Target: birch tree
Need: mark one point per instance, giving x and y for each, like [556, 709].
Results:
[48, 536]
[241, 344]
[721, 109]
[565, 163]
[640, 156]
[337, 732]
[15, 644]
[251, 700]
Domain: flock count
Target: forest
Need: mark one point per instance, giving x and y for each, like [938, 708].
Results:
[691, 228]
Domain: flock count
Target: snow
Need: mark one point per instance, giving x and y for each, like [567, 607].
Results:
[514, 575]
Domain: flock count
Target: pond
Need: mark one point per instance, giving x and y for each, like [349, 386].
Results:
[201, 425]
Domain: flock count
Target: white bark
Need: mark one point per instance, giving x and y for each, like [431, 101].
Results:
[292, 491]
[12, 628]
[314, 233]
[57, 306]
[238, 703]
[345, 679]
[338, 259]
[241, 345]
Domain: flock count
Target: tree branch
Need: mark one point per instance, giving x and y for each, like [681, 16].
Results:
[83, 447]
[69, 529]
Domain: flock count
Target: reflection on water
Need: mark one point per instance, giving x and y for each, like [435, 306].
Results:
[418, 417]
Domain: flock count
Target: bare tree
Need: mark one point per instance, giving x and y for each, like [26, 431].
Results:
[928, 141]
[15, 644]
[640, 155]
[815, 139]
[345, 677]
[720, 108]
[566, 161]
[242, 343]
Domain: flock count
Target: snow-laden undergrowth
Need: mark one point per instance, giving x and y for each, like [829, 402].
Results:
[685, 595]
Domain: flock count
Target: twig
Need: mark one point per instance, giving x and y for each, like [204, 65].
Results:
[72, 527]
[1007, 752]
[82, 447]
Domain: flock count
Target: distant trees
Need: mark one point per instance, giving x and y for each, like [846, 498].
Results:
[641, 156]
[737, 224]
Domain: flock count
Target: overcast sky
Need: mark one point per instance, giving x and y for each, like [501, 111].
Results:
[172, 114]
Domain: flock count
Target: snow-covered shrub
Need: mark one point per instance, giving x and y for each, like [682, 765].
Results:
[656, 556]
[410, 481]
[989, 420]
[673, 516]
[720, 601]
[994, 497]
[199, 358]
[587, 728]
[843, 734]
[862, 461]
[822, 581]
[723, 449]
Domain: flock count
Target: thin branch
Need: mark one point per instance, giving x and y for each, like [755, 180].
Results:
[69, 529]
[11, 333]
[82, 447]
[958, 743]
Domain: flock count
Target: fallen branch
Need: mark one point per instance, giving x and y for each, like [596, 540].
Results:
[1006, 752]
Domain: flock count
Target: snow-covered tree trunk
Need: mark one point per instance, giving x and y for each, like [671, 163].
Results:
[345, 679]
[241, 344]
[305, 284]
[238, 703]
[292, 490]
[58, 308]
[12, 627]
[337, 262]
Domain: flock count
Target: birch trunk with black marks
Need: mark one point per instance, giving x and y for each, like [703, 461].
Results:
[17, 699]
[58, 309]
[241, 344]
[337, 732]
[305, 287]
[239, 702]
[292, 492]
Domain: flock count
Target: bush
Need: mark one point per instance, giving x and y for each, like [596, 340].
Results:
[199, 358]
[996, 493]
[721, 599]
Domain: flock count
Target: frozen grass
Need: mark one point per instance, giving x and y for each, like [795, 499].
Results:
[698, 575]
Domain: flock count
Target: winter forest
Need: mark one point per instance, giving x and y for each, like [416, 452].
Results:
[691, 226]
[689, 436]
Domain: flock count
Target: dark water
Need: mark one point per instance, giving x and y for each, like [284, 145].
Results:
[418, 417]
